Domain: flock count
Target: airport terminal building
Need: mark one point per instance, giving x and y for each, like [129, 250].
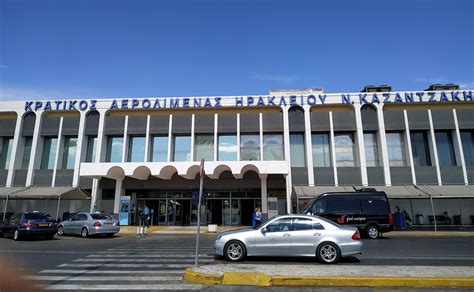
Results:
[272, 151]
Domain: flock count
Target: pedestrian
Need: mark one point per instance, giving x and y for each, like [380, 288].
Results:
[147, 219]
[258, 217]
[254, 223]
[408, 220]
[447, 219]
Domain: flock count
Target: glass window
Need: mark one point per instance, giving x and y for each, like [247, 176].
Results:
[396, 149]
[49, 153]
[420, 149]
[250, 147]
[69, 153]
[159, 149]
[279, 225]
[204, 147]
[227, 148]
[5, 152]
[26, 153]
[273, 147]
[306, 224]
[182, 148]
[445, 147]
[371, 149]
[297, 153]
[321, 150]
[136, 151]
[91, 148]
[374, 206]
[343, 205]
[467, 140]
[344, 149]
[114, 149]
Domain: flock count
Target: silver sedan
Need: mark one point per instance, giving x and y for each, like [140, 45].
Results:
[291, 235]
[86, 224]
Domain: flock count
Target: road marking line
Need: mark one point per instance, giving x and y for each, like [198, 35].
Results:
[124, 266]
[149, 256]
[142, 260]
[459, 258]
[102, 278]
[127, 272]
[144, 287]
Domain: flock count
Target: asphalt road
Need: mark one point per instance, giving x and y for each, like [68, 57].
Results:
[157, 262]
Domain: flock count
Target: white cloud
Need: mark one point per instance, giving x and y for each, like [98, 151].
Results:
[441, 80]
[19, 93]
[430, 80]
[3, 66]
[276, 78]
[466, 85]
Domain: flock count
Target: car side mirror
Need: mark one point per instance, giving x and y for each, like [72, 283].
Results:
[263, 230]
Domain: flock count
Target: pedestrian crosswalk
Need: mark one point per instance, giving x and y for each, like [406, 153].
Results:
[151, 263]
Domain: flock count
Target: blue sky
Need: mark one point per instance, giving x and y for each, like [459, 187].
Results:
[85, 48]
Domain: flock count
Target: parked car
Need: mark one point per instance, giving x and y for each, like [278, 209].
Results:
[365, 209]
[86, 224]
[291, 235]
[29, 224]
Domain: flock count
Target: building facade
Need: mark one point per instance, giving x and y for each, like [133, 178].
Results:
[274, 152]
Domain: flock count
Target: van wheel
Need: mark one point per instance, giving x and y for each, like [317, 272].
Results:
[84, 232]
[373, 232]
[328, 253]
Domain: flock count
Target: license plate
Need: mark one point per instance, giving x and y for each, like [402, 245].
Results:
[108, 224]
[43, 225]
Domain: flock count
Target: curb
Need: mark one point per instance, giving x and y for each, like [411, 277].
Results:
[261, 279]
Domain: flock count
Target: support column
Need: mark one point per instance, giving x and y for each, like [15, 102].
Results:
[216, 141]
[286, 145]
[382, 146]
[96, 195]
[35, 158]
[333, 149]
[17, 147]
[118, 194]
[81, 148]
[60, 145]
[125, 141]
[193, 117]
[360, 145]
[263, 186]
[147, 139]
[238, 136]
[434, 148]
[458, 147]
[101, 143]
[309, 144]
[170, 139]
[408, 145]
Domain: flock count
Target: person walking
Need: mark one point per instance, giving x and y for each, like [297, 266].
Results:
[258, 217]
[147, 219]
[254, 223]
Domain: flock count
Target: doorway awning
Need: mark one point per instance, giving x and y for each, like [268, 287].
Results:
[5, 192]
[302, 192]
[449, 191]
[47, 193]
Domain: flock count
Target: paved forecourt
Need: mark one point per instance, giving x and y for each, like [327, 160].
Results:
[149, 263]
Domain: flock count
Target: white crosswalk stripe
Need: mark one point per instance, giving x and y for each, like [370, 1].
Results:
[154, 264]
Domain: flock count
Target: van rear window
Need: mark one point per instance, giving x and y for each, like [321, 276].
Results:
[374, 206]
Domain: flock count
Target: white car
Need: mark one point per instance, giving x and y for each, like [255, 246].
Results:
[86, 224]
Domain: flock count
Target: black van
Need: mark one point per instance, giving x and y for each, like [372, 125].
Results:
[366, 209]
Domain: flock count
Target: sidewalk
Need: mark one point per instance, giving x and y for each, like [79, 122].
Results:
[183, 230]
[332, 275]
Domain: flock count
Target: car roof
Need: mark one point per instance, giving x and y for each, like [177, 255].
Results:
[297, 216]
[355, 193]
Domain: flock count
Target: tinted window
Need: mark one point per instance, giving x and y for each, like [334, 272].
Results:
[306, 224]
[82, 217]
[374, 206]
[36, 216]
[279, 225]
[319, 207]
[343, 205]
[75, 218]
[100, 216]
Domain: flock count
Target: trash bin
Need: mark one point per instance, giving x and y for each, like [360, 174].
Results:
[419, 219]
[212, 228]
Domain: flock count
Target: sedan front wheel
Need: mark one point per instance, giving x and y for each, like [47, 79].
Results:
[234, 251]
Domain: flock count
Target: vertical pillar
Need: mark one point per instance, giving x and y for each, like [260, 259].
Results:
[260, 127]
[309, 144]
[408, 145]
[96, 194]
[238, 136]
[434, 148]
[193, 117]
[17, 146]
[81, 146]
[333, 148]
[382, 145]
[458, 147]
[35, 158]
[118, 194]
[147, 140]
[125, 140]
[170, 138]
[263, 186]
[101, 138]
[360, 145]
[59, 146]
[286, 145]
[216, 141]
